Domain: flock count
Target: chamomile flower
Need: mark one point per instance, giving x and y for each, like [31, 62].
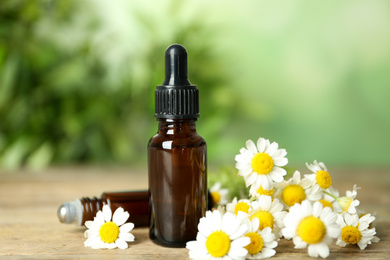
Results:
[311, 225]
[235, 206]
[349, 203]
[262, 242]
[269, 213]
[103, 232]
[321, 180]
[219, 195]
[294, 190]
[355, 230]
[261, 165]
[219, 236]
[320, 176]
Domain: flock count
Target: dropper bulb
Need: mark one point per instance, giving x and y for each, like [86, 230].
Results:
[176, 73]
[176, 98]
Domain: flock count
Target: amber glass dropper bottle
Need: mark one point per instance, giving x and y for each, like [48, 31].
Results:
[176, 157]
[81, 210]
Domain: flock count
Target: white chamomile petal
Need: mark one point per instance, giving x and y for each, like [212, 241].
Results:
[121, 244]
[107, 213]
[89, 224]
[261, 144]
[317, 209]
[239, 232]
[120, 216]
[215, 187]
[272, 149]
[352, 207]
[307, 208]
[267, 252]
[277, 174]
[251, 179]
[229, 225]
[204, 227]
[91, 233]
[127, 237]
[322, 249]
[322, 165]
[216, 220]
[281, 162]
[348, 219]
[251, 146]
[333, 231]
[127, 227]
[288, 233]
[363, 226]
[245, 171]
[254, 225]
[279, 154]
[99, 218]
[240, 242]
[298, 242]
[237, 252]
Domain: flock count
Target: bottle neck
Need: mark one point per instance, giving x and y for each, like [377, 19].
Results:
[90, 207]
[176, 126]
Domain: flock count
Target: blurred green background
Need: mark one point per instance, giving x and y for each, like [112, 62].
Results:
[77, 78]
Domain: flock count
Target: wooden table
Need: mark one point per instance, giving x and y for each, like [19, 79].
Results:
[29, 228]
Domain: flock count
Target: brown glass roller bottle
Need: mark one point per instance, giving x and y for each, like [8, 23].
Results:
[81, 210]
[176, 157]
[134, 202]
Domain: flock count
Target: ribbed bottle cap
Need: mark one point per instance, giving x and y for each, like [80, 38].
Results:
[176, 98]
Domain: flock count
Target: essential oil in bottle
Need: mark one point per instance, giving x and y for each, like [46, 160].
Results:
[81, 210]
[176, 157]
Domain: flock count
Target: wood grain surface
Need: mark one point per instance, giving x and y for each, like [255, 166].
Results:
[29, 227]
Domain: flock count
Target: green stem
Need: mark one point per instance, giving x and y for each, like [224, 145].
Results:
[333, 196]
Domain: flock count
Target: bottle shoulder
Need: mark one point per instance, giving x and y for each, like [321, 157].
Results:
[187, 140]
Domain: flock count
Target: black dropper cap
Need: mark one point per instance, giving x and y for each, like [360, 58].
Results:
[176, 98]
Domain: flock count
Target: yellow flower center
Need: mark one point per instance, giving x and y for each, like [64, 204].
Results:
[216, 197]
[109, 232]
[293, 194]
[262, 191]
[323, 179]
[311, 230]
[241, 206]
[265, 219]
[218, 244]
[350, 234]
[326, 203]
[262, 163]
[256, 243]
